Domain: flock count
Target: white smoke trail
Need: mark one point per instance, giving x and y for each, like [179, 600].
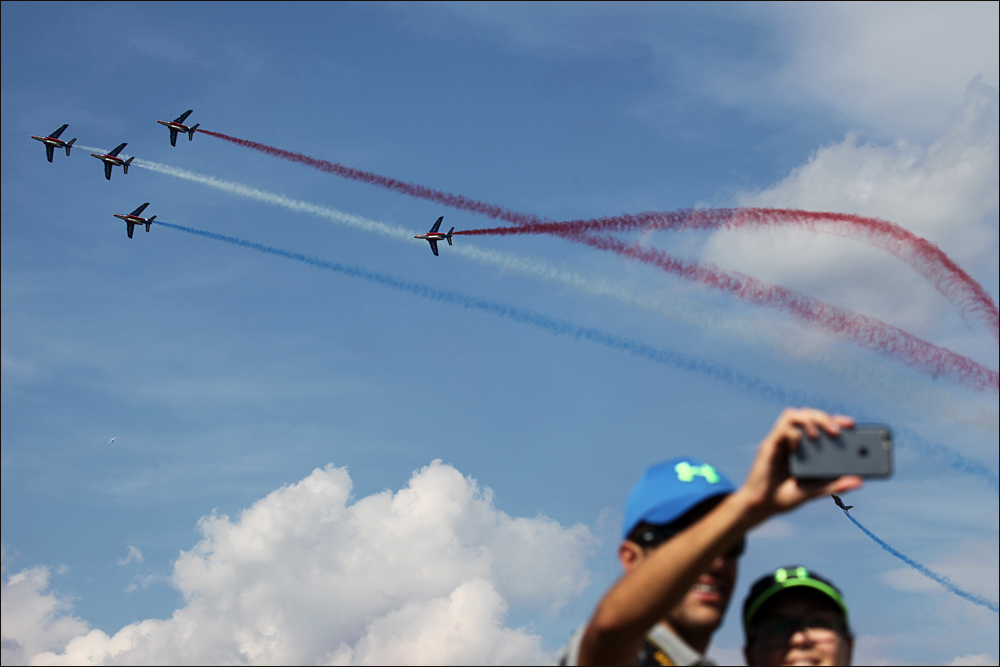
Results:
[934, 401]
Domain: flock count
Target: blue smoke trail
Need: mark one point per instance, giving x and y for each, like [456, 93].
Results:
[751, 383]
[940, 578]
[633, 347]
[954, 459]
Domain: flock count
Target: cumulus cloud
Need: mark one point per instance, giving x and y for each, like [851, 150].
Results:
[894, 69]
[423, 575]
[946, 193]
[890, 67]
[33, 620]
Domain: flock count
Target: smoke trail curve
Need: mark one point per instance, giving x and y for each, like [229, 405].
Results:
[930, 574]
[954, 283]
[863, 330]
[972, 300]
[751, 383]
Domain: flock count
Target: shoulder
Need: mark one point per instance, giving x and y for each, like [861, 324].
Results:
[665, 644]
[569, 654]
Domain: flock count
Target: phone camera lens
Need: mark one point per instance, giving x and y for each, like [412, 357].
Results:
[862, 451]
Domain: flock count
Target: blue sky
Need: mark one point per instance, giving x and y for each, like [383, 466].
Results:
[226, 375]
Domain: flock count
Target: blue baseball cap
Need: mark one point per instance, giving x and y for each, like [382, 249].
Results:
[668, 490]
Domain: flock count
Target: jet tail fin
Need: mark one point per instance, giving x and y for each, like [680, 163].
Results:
[191, 132]
[69, 146]
[127, 163]
[449, 235]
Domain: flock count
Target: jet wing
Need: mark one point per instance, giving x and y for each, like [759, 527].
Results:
[183, 116]
[436, 226]
[131, 227]
[48, 150]
[434, 245]
[107, 170]
[55, 135]
[139, 210]
[118, 150]
[173, 137]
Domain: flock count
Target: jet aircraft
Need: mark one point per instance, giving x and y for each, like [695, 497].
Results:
[132, 219]
[112, 160]
[177, 125]
[53, 142]
[840, 503]
[434, 236]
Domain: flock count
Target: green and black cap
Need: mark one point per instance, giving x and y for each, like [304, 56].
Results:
[783, 579]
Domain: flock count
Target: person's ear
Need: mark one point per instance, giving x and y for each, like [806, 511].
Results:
[630, 554]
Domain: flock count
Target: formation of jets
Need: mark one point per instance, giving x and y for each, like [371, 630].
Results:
[176, 126]
[53, 142]
[840, 503]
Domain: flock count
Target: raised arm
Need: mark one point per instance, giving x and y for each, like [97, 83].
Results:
[645, 595]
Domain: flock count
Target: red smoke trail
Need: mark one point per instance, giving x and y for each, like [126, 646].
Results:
[971, 298]
[863, 330]
[866, 331]
[419, 191]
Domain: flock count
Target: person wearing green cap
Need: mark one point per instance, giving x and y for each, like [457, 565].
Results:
[684, 530]
[796, 617]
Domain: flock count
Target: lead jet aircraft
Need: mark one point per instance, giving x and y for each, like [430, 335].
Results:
[112, 160]
[434, 236]
[840, 503]
[177, 125]
[53, 142]
[132, 219]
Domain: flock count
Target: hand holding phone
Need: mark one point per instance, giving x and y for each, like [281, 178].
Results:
[864, 450]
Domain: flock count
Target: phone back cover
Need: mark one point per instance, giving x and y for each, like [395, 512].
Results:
[865, 450]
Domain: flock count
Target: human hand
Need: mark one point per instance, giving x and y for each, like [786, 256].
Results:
[769, 488]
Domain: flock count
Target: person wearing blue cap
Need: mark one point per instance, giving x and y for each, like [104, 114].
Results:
[682, 537]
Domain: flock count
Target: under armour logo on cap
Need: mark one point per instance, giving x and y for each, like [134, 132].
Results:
[687, 472]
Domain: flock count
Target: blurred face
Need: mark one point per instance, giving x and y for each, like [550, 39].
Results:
[799, 629]
[705, 604]
[698, 615]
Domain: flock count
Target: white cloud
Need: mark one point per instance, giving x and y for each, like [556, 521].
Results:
[33, 620]
[946, 193]
[426, 574]
[891, 68]
[134, 556]
[896, 68]
[981, 659]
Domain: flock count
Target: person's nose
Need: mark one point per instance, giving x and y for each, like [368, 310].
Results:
[799, 638]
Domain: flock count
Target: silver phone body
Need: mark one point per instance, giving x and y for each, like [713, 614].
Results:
[864, 450]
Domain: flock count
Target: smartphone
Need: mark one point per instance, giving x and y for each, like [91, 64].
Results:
[864, 450]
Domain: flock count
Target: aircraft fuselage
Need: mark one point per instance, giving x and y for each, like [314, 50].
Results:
[438, 236]
[50, 141]
[178, 127]
[113, 160]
